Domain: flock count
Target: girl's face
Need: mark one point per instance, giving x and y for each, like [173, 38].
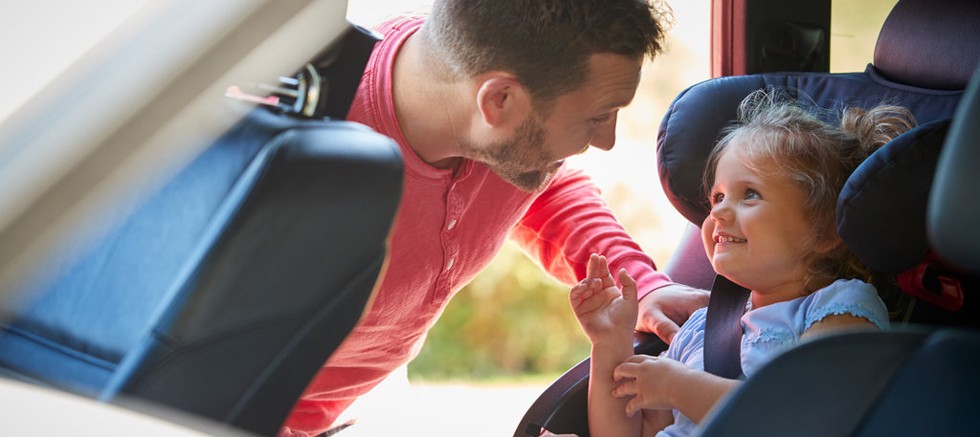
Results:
[757, 233]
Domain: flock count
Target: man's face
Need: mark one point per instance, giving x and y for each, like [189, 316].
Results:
[576, 120]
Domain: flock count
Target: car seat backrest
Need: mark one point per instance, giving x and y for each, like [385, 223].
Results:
[223, 292]
[940, 381]
[953, 213]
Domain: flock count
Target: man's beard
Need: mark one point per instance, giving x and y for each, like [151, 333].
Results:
[521, 160]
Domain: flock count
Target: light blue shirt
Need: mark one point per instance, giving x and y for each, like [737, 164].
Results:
[774, 328]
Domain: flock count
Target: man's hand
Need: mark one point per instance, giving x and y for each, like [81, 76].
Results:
[663, 310]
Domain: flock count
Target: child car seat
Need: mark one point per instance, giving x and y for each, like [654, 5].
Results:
[917, 380]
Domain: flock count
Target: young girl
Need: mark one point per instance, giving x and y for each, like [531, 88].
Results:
[773, 183]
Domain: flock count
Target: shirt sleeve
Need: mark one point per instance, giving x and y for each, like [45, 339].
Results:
[569, 221]
[853, 297]
[688, 345]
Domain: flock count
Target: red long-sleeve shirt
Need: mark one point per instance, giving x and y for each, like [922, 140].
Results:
[449, 227]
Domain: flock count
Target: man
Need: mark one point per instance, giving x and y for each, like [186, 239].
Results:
[486, 99]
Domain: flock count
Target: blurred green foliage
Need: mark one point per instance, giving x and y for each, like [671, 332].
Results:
[514, 320]
[511, 320]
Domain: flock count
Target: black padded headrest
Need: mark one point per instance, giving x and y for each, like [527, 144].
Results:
[881, 211]
[930, 43]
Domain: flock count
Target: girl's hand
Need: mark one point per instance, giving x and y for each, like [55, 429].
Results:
[600, 307]
[647, 381]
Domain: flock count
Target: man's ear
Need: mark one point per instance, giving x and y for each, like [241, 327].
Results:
[502, 99]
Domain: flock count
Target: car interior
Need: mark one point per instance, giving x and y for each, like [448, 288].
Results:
[904, 213]
[206, 294]
[220, 293]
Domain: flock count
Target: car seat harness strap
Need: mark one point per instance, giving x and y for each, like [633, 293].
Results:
[723, 328]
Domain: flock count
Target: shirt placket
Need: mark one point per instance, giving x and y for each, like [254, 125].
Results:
[450, 244]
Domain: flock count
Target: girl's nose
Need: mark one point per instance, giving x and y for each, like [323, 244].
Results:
[720, 212]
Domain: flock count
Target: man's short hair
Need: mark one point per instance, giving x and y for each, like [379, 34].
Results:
[546, 44]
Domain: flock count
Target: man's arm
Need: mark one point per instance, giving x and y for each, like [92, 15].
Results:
[569, 221]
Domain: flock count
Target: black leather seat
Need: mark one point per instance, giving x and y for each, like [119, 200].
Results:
[224, 292]
[846, 385]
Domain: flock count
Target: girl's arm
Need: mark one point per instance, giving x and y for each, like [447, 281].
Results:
[836, 323]
[607, 316]
[695, 393]
[655, 421]
[607, 414]
[661, 384]
[654, 383]
[698, 392]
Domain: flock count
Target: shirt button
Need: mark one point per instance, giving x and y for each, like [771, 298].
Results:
[451, 225]
[449, 265]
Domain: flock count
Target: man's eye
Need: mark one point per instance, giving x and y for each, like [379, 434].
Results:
[601, 119]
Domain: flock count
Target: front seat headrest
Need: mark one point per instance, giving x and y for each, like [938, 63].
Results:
[924, 45]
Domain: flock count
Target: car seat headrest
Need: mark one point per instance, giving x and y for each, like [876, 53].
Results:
[930, 43]
[894, 182]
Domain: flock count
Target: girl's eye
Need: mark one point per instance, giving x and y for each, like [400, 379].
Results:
[716, 198]
[751, 194]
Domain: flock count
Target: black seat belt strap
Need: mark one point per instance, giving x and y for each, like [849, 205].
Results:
[723, 329]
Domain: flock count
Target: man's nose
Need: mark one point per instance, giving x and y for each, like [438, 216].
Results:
[605, 137]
